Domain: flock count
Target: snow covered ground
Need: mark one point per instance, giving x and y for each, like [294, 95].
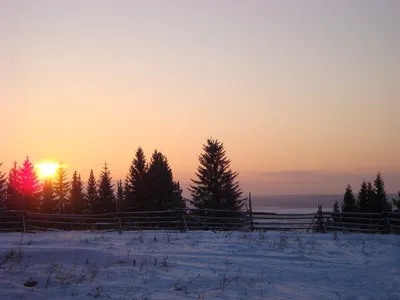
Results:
[198, 265]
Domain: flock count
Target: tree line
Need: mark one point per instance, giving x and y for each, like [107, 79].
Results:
[371, 198]
[148, 186]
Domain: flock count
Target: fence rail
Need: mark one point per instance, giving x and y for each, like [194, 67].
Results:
[202, 219]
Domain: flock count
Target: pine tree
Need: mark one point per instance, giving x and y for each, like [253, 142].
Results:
[49, 203]
[396, 203]
[14, 197]
[30, 187]
[371, 197]
[362, 200]
[120, 198]
[136, 184]
[105, 192]
[216, 186]
[92, 196]
[3, 187]
[77, 197]
[349, 201]
[381, 203]
[61, 189]
[336, 207]
[164, 192]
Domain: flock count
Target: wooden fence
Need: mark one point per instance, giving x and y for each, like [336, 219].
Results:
[202, 219]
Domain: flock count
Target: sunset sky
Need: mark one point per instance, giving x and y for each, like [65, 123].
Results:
[305, 95]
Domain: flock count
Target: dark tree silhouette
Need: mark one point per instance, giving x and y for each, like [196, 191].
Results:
[120, 198]
[396, 203]
[77, 197]
[362, 200]
[349, 201]
[371, 197]
[14, 197]
[216, 186]
[164, 192]
[3, 187]
[49, 203]
[380, 203]
[61, 189]
[29, 185]
[336, 207]
[92, 197]
[106, 193]
[136, 184]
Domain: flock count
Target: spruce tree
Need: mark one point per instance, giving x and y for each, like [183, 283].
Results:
[3, 187]
[92, 197]
[136, 184]
[362, 200]
[396, 203]
[49, 203]
[164, 192]
[216, 186]
[371, 197]
[61, 189]
[14, 197]
[381, 203]
[336, 207]
[120, 198]
[30, 187]
[349, 201]
[105, 192]
[77, 197]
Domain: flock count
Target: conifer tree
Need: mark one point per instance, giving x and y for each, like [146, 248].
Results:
[362, 200]
[396, 203]
[120, 198]
[61, 189]
[49, 203]
[164, 192]
[105, 192]
[349, 201]
[136, 184]
[92, 197]
[336, 207]
[3, 187]
[77, 197]
[216, 186]
[30, 187]
[371, 197]
[381, 203]
[14, 197]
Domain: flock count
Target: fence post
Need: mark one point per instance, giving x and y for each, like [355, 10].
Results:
[321, 225]
[23, 213]
[251, 214]
[184, 220]
[119, 216]
[387, 222]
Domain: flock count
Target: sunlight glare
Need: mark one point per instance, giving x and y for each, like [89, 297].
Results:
[47, 169]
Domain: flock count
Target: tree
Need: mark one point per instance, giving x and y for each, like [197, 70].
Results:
[49, 203]
[349, 201]
[91, 194]
[336, 207]
[3, 187]
[362, 200]
[381, 203]
[77, 197]
[397, 203]
[29, 185]
[216, 186]
[136, 183]
[105, 192]
[14, 197]
[164, 192]
[61, 189]
[120, 199]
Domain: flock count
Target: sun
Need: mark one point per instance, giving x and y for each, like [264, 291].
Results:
[47, 169]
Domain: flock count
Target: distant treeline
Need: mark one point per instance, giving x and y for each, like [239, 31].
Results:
[371, 198]
[149, 186]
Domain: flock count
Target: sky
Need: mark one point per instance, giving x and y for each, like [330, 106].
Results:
[305, 95]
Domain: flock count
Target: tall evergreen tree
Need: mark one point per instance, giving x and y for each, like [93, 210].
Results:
[92, 196]
[164, 192]
[381, 203]
[30, 187]
[216, 186]
[61, 189]
[14, 197]
[120, 198]
[362, 200]
[371, 197]
[3, 187]
[49, 203]
[396, 203]
[336, 207]
[349, 201]
[77, 197]
[105, 192]
[136, 184]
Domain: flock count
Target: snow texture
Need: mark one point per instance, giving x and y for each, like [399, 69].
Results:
[199, 265]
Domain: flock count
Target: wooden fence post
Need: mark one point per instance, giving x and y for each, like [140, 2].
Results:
[251, 214]
[119, 217]
[23, 213]
[184, 220]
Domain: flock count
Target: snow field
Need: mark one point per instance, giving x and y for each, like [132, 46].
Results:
[199, 265]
